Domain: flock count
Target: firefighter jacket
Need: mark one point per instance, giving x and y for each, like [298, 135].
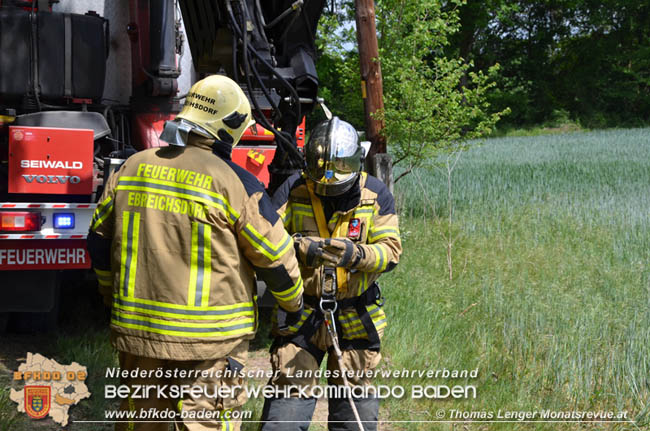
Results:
[370, 208]
[187, 230]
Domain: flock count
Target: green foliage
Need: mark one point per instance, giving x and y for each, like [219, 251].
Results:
[338, 68]
[433, 104]
[590, 58]
[586, 57]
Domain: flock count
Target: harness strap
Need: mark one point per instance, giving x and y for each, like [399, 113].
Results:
[366, 320]
[372, 295]
[302, 338]
[339, 230]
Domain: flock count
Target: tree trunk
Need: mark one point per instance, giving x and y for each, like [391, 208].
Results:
[371, 81]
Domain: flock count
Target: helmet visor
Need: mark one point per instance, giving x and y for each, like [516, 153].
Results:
[333, 153]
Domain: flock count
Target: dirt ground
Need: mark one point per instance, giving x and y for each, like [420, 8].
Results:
[80, 312]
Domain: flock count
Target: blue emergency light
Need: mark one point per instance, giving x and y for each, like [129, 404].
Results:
[64, 221]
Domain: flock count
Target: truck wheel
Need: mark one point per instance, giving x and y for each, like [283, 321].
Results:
[27, 323]
[33, 317]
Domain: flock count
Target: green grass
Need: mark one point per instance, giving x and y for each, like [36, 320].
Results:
[8, 414]
[552, 247]
[550, 297]
[93, 351]
[89, 348]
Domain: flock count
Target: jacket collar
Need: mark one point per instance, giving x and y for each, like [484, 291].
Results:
[219, 148]
[345, 202]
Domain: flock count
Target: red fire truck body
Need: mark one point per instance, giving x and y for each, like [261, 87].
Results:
[60, 138]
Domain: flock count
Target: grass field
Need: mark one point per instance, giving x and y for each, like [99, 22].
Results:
[550, 296]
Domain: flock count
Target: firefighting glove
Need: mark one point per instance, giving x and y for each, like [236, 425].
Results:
[288, 319]
[341, 252]
[308, 250]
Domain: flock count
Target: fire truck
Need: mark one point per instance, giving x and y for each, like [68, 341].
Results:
[86, 83]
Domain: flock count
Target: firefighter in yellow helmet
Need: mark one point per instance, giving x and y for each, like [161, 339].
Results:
[346, 232]
[176, 241]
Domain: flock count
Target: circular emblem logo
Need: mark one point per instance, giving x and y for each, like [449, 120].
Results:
[18, 135]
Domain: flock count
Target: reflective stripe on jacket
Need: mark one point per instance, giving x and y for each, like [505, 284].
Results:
[189, 229]
[379, 236]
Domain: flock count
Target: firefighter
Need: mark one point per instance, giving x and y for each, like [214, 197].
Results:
[340, 218]
[176, 240]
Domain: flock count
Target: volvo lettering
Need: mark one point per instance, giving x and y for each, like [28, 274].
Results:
[52, 179]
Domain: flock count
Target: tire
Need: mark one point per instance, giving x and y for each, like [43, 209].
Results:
[37, 322]
[4, 322]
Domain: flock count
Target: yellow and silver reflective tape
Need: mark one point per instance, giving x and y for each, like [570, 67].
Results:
[300, 211]
[381, 260]
[102, 212]
[129, 252]
[200, 265]
[183, 329]
[263, 245]
[225, 420]
[304, 316]
[352, 320]
[286, 216]
[364, 211]
[353, 327]
[363, 285]
[290, 293]
[375, 235]
[174, 311]
[105, 278]
[179, 190]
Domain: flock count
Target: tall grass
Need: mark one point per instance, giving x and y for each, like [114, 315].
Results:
[8, 413]
[550, 297]
[551, 293]
[93, 351]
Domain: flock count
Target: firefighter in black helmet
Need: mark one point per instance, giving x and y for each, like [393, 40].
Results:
[342, 219]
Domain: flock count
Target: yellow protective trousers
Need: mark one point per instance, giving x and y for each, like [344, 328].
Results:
[152, 412]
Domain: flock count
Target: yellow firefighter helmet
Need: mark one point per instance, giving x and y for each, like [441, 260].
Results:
[214, 107]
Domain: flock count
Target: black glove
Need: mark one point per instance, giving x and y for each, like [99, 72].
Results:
[308, 250]
[287, 319]
[341, 252]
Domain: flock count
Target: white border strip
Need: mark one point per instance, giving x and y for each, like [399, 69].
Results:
[27, 205]
[41, 236]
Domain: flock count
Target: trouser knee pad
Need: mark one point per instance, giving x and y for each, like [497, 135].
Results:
[287, 414]
[341, 417]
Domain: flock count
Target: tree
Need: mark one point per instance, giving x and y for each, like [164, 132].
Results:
[586, 57]
[433, 105]
[338, 65]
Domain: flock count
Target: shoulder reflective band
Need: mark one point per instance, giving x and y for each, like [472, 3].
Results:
[323, 230]
[102, 211]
